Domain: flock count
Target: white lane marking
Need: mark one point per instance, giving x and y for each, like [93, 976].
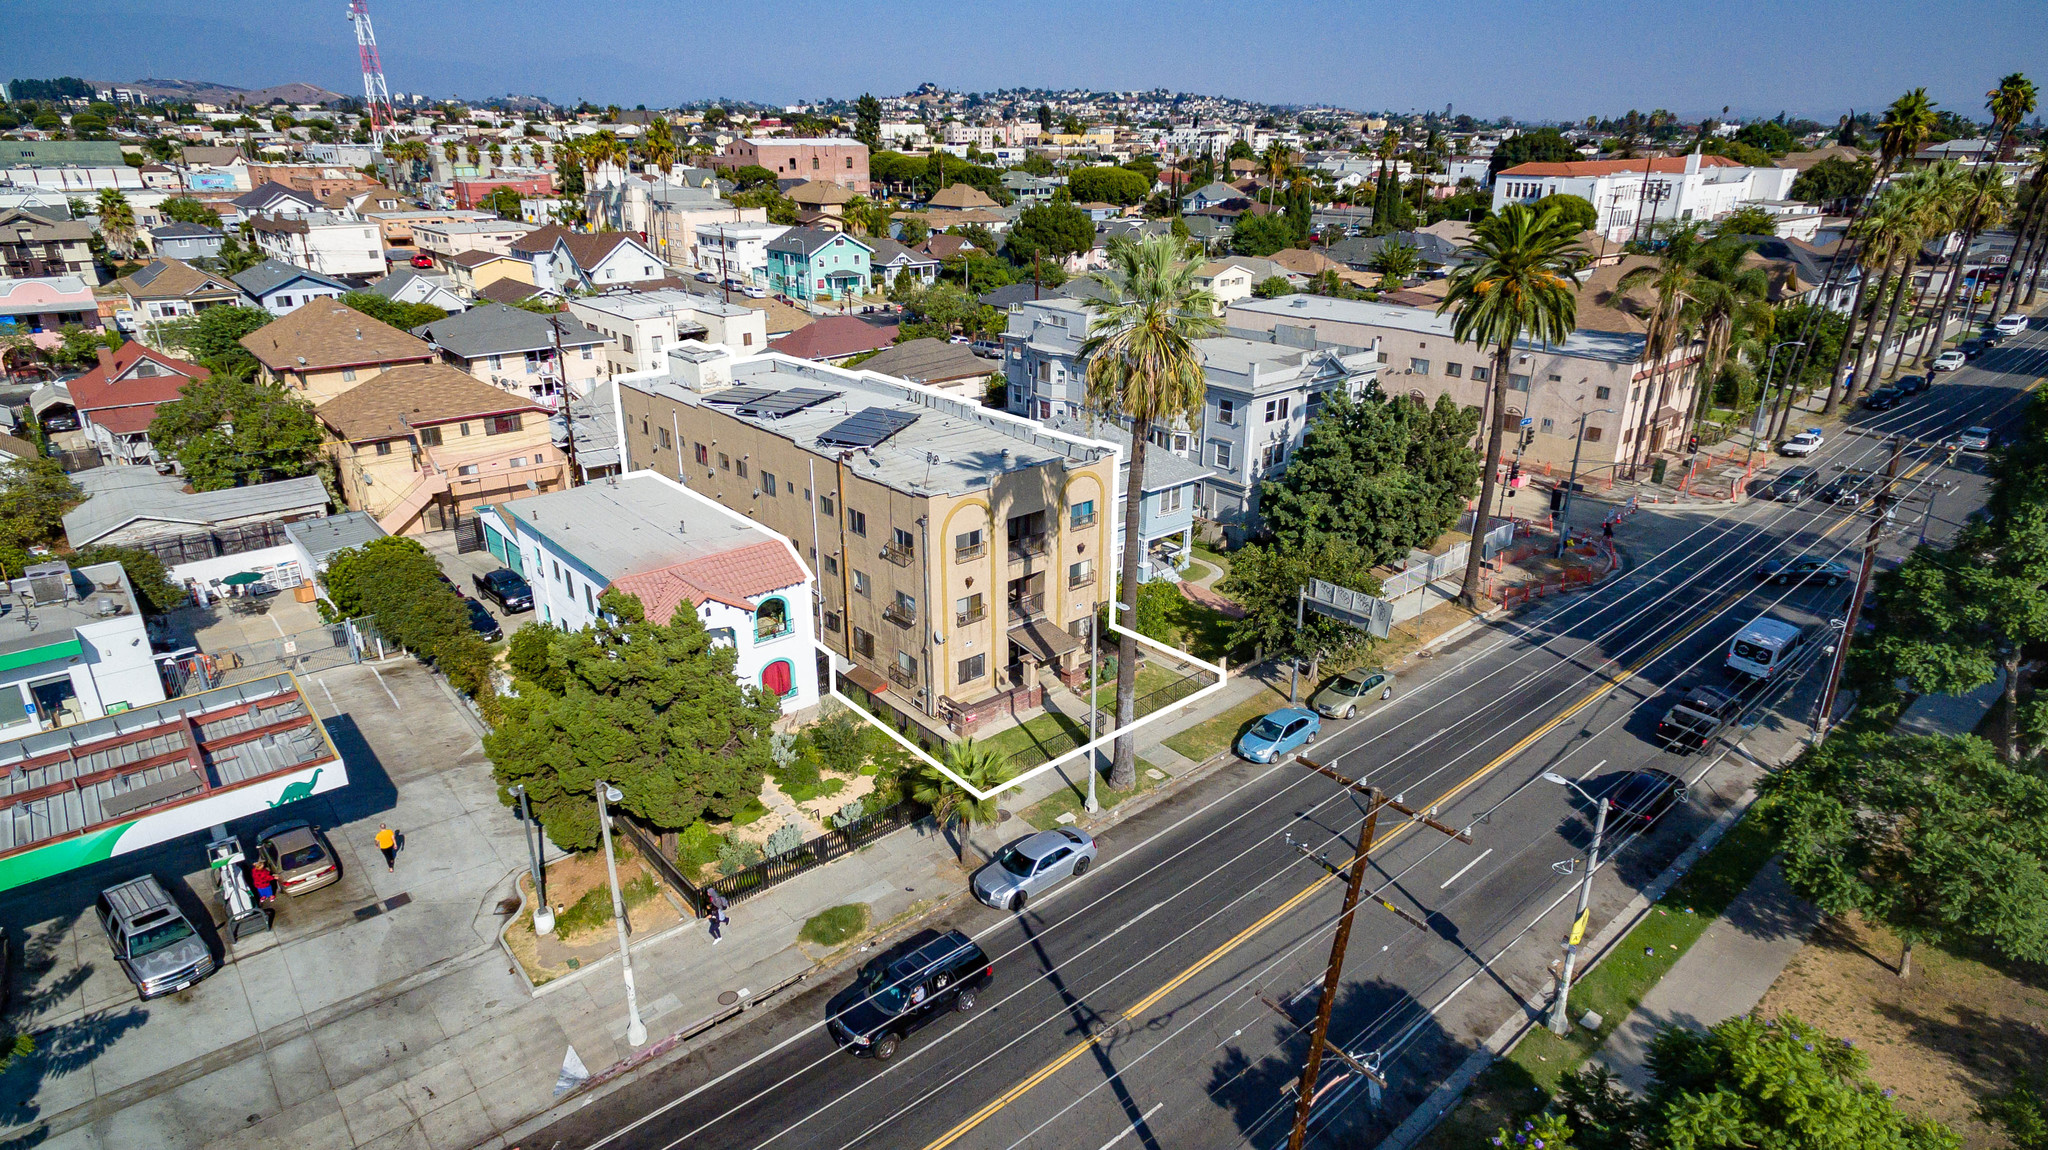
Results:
[1142, 1119]
[1591, 769]
[387, 691]
[1468, 866]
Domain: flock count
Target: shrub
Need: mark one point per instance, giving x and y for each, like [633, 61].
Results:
[849, 814]
[697, 847]
[785, 839]
[750, 813]
[839, 742]
[835, 925]
[736, 856]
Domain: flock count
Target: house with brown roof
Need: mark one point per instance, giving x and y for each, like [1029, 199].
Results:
[594, 262]
[821, 203]
[117, 400]
[834, 338]
[171, 289]
[326, 348]
[421, 444]
[950, 367]
[960, 197]
[474, 271]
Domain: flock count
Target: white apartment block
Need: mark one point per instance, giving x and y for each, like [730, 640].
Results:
[323, 242]
[736, 253]
[1632, 195]
[644, 326]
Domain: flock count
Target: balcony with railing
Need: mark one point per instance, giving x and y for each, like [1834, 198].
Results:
[897, 553]
[969, 553]
[1027, 547]
[902, 677]
[900, 614]
[974, 614]
[1024, 607]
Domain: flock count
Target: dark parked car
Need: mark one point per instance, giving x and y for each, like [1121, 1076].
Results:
[1806, 569]
[1972, 348]
[1883, 399]
[1849, 488]
[1694, 721]
[1641, 798]
[1791, 486]
[905, 989]
[505, 588]
[1911, 384]
[481, 622]
[60, 423]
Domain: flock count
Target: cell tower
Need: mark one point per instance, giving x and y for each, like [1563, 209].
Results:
[376, 96]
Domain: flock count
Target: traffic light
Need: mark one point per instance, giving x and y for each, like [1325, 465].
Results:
[1693, 445]
[1528, 437]
[1514, 472]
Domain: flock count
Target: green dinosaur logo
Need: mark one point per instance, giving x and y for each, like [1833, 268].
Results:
[297, 791]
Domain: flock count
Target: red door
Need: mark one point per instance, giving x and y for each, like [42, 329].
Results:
[775, 677]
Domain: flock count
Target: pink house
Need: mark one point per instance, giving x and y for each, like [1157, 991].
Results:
[41, 307]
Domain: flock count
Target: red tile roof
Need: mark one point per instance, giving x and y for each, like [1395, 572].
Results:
[835, 337]
[1668, 165]
[92, 392]
[735, 578]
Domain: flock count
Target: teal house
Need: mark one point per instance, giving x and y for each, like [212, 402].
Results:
[815, 264]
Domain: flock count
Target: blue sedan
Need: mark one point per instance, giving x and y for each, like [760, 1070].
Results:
[1278, 734]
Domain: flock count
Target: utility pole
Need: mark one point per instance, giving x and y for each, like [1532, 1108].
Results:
[1300, 622]
[1094, 703]
[1319, 1037]
[1881, 513]
[568, 397]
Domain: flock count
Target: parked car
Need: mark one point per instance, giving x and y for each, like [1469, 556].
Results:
[482, 623]
[1883, 399]
[1951, 359]
[60, 423]
[1363, 688]
[1806, 569]
[1847, 488]
[423, 260]
[300, 856]
[1805, 443]
[1031, 866]
[1641, 798]
[154, 943]
[2012, 324]
[1972, 348]
[987, 348]
[1280, 733]
[752, 292]
[905, 989]
[1695, 721]
[1973, 439]
[505, 588]
[1790, 486]
[1911, 385]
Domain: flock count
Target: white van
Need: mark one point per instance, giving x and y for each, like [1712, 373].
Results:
[1770, 642]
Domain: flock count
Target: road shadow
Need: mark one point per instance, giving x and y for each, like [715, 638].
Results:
[1087, 1021]
[60, 1050]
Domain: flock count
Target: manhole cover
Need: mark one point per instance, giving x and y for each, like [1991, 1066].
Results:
[1003, 815]
[728, 998]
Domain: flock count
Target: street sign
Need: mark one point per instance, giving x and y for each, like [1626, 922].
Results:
[1369, 612]
[1528, 422]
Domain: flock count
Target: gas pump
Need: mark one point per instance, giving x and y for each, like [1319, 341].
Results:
[231, 882]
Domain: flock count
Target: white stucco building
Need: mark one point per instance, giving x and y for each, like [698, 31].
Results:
[642, 327]
[1630, 193]
[736, 252]
[323, 242]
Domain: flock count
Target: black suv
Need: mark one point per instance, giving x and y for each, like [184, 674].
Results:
[505, 588]
[906, 988]
[1911, 384]
[1883, 399]
[1643, 797]
[1695, 720]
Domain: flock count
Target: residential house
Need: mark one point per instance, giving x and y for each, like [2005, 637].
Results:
[513, 292]
[1227, 280]
[515, 349]
[14, 448]
[815, 264]
[182, 241]
[583, 262]
[676, 213]
[1432, 251]
[889, 260]
[271, 198]
[936, 363]
[836, 338]
[116, 401]
[642, 327]
[322, 242]
[1633, 196]
[445, 239]
[280, 289]
[397, 227]
[172, 289]
[587, 432]
[957, 548]
[1211, 195]
[202, 537]
[821, 203]
[1026, 189]
[407, 284]
[643, 534]
[326, 348]
[361, 202]
[736, 253]
[471, 272]
[33, 245]
[420, 445]
[42, 307]
[833, 159]
[215, 169]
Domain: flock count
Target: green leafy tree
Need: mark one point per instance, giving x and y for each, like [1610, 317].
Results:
[1056, 230]
[230, 430]
[652, 709]
[1936, 838]
[1143, 366]
[751, 176]
[1577, 208]
[1516, 280]
[780, 208]
[214, 336]
[2022, 1112]
[952, 807]
[1747, 222]
[79, 348]
[1108, 185]
[1543, 146]
[1834, 181]
[403, 316]
[915, 231]
[1266, 580]
[34, 495]
[146, 574]
[1766, 135]
[1397, 262]
[187, 210]
[1387, 475]
[1272, 287]
[867, 120]
[504, 201]
[1261, 235]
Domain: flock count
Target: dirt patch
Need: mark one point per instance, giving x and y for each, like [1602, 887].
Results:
[1955, 1033]
[649, 909]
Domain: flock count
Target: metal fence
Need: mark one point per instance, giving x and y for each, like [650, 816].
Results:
[318, 648]
[833, 844]
[1423, 569]
[1105, 720]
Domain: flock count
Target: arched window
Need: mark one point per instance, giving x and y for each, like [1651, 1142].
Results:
[779, 678]
[771, 620]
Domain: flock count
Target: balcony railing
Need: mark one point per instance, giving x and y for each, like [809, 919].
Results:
[900, 615]
[1028, 547]
[963, 618]
[1087, 580]
[902, 678]
[897, 553]
[969, 553]
[1080, 521]
[1024, 607]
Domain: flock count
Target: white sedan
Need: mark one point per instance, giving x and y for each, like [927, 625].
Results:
[2011, 324]
[1805, 443]
[1950, 360]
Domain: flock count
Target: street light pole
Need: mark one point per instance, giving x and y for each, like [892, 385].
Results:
[543, 914]
[636, 1030]
[1094, 703]
[1300, 622]
[1762, 418]
[1564, 513]
[1560, 1016]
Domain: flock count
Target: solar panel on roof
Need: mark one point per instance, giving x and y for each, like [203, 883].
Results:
[867, 428]
[739, 396]
[790, 402]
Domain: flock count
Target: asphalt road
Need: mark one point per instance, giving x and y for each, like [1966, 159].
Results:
[1127, 1006]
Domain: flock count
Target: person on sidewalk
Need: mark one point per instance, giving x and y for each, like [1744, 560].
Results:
[1607, 530]
[716, 904]
[387, 842]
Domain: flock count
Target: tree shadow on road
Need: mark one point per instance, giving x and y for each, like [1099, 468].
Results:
[60, 1050]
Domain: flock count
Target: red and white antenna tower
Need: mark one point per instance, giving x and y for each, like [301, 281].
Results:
[376, 96]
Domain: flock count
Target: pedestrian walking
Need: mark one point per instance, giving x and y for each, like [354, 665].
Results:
[387, 842]
[1607, 530]
[716, 903]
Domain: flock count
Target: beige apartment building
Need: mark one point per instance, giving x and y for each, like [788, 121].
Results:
[960, 552]
[326, 347]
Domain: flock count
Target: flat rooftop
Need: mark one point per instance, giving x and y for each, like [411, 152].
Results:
[1614, 347]
[951, 447]
[624, 526]
[659, 302]
[29, 620]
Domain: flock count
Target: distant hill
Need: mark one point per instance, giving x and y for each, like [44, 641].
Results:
[208, 92]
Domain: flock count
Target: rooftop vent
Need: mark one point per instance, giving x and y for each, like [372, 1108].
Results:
[49, 582]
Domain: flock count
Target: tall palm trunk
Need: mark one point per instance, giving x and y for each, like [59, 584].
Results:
[1489, 479]
[1938, 330]
[1859, 380]
[2023, 240]
[1835, 385]
[1123, 771]
[2040, 253]
[1902, 285]
[1653, 391]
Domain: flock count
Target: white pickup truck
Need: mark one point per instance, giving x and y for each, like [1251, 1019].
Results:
[1805, 443]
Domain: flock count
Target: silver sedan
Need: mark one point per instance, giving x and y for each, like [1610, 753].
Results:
[1030, 866]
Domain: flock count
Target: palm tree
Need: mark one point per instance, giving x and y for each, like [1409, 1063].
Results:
[1276, 161]
[1516, 279]
[1980, 200]
[1906, 126]
[1676, 279]
[2024, 239]
[1918, 212]
[1143, 367]
[117, 221]
[981, 767]
[659, 145]
[1730, 299]
[2012, 101]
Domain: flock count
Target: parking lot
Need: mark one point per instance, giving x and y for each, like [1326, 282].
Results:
[254, 1039]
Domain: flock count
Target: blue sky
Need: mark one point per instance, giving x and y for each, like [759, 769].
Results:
[1533, 59]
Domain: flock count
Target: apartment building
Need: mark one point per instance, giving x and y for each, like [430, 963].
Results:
[34, 244]
[836, 159]
[1260, 398]
[736, 254]
[642, 327]
[960, 552]
[445, 239]
[323, 242]
[1633, 195]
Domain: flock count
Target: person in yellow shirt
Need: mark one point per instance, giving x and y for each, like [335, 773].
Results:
[387, 842]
